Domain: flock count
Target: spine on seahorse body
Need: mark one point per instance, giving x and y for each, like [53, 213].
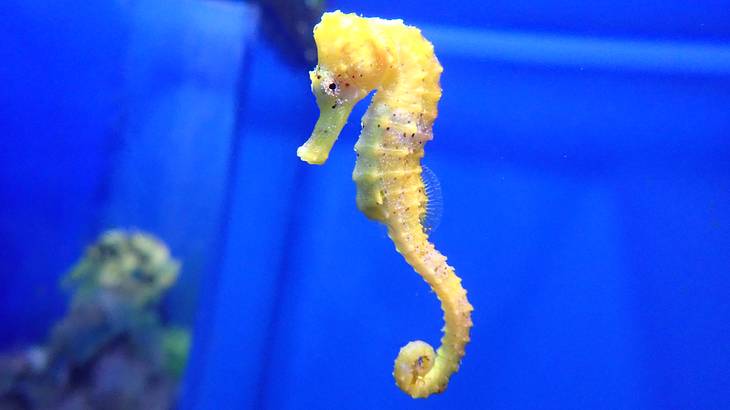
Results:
[391, 190]
[357, 55]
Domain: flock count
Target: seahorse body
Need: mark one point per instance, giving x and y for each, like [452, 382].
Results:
[356, 56]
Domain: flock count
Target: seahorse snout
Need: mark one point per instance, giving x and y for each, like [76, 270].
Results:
[335, 99]
[317, 148]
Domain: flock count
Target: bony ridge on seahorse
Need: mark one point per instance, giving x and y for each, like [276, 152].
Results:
[356, 56]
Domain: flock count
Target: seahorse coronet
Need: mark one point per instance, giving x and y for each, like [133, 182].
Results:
[358, 55]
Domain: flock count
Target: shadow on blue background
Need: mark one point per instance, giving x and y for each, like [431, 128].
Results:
[582, 149]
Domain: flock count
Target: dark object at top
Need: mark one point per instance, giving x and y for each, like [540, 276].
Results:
[288, 24]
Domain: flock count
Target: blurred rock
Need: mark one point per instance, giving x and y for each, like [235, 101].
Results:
[111, 351]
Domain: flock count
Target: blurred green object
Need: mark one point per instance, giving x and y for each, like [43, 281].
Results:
[112, 346]
[175, 347]
[134, 265]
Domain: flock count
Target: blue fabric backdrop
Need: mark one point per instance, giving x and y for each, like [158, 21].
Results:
[582, 149]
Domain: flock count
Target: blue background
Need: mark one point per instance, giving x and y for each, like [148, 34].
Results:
[582, 149]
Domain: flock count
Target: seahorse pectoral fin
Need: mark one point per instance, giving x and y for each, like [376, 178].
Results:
[331, 120]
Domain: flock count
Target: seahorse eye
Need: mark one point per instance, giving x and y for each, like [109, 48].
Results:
[333, 86]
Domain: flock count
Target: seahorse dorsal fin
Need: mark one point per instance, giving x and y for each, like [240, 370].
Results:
[435, 201]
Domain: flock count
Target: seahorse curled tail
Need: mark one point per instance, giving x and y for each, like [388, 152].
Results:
[357, 55]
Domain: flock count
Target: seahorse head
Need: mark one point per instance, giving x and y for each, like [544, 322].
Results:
[352, 61]
[349, 47]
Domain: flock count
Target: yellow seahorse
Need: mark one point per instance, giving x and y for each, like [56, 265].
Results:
[356, 56]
